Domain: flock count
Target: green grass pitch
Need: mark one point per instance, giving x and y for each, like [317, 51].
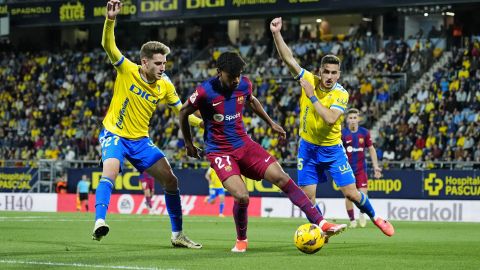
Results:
[63, 241]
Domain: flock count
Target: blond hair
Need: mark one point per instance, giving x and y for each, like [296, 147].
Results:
[153, 47]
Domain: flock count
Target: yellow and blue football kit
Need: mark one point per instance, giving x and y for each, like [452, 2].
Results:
[321, 150]
[125, 133]
[215, 187]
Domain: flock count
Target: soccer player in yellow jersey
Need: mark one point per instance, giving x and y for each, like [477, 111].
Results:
[322, 104]
[215, 189]
[137, 92]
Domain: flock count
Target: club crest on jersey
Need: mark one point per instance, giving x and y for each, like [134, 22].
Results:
[218, 117]
[194, 96]
[360, 140]
[240, 100]
[228, 168]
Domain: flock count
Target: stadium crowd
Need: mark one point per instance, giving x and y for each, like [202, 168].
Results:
[52, 104]
[442, 121]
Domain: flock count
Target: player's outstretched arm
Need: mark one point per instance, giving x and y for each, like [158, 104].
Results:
[108, 37]
[329, 115]
[185, 112]
[257, 108]
[282, 48]
[377, 171]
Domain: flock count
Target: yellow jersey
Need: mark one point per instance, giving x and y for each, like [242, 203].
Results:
[214, 180]
[313, 128]
[134, 99]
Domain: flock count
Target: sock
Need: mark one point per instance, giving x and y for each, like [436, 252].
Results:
[174, 208]
[300, 199]
[240, 215]
[102, 197]
[148, 201]
[351, 214]
[365, 206]
[222, 205]
[175, 234]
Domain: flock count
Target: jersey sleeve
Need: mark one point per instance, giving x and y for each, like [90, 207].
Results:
[368, 139]
[249, 88]
[340, 100]
[171, 97]
[197, 98]
[119, 61]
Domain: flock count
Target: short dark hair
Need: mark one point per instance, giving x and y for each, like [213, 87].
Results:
[231, 62]
[153, 47]
[330, 59]
[352, 111]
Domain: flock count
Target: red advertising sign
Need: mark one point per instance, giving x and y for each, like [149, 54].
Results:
[135, 204]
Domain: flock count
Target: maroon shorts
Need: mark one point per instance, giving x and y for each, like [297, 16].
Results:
[361, 179]
[148, 183]
[250, 160]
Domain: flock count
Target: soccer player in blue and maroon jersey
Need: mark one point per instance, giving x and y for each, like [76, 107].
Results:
[355, 140]
[232, 152]
[148, 186]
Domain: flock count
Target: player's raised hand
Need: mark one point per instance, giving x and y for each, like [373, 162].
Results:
[279, 130]
[193, 151]
[113, 8]
[307, 87]
[276, 25]
[377, 172]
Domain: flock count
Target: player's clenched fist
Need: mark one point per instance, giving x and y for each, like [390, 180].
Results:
[113, 8]
[276, 25]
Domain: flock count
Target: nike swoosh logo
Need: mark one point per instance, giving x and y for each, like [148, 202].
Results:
[216, 104]
[349, 141]
[267, 159]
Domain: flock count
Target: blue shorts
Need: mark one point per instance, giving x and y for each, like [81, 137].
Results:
[315, 161]
[215, 192]
[142, 153]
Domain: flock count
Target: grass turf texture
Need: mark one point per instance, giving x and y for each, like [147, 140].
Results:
[31, 240]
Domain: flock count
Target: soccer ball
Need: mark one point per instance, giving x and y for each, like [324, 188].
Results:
[309, 238]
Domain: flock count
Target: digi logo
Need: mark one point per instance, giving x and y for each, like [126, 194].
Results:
[194, 4]
[143, 94]
[433, 185]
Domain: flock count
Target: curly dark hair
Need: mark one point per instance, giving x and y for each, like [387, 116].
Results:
[231, 62]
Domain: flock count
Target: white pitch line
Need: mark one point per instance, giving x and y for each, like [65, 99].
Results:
[84, 265]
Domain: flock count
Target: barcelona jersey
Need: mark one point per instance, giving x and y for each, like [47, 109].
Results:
[356, 143]
[222, 114]
[313, 128]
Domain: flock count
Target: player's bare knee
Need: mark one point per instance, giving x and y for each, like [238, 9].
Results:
[281, 180]
[242, 197]
[352, 196]
[170, 182]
